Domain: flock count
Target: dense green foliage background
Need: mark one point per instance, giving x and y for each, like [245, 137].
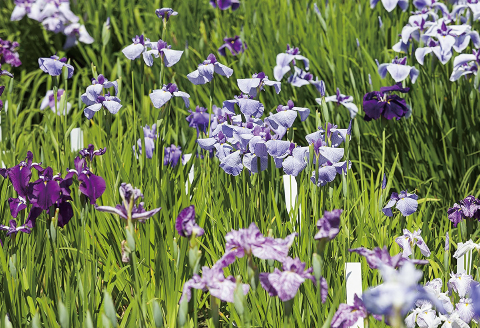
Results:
[49, 276]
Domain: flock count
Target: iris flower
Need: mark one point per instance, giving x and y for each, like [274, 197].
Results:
[409, 240]
[160, 97]
[465, 64]
[49, 101]
[90, 152]
[12, 228]
[285, 59]
[381, 256]
[204, 73]
[129, 207]
[9, 54]
[225, 4]
[347, 315]
[398, 69]
[341, 99]
[76, 32]
[460, 283]
[463, 248]
[150, 135]
[185, 223]
[286, 115]
[5, 72]
[165, 13]
[389, 5]
[256, 84]
[162, 49]
[383, 103]
[404, 202]
[172, 155]
[54, 65]
[285, 284]
[95, 102]
[234, 45]
[329, 225]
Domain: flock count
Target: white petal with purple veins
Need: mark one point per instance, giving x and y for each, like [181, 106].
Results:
[133, 51]
[160, 98]
[223, 70]
[171, 56]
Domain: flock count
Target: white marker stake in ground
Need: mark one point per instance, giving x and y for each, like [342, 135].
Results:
[353, 271]
[186, 159]
[290, 186]
[76, 140]
[464, 263]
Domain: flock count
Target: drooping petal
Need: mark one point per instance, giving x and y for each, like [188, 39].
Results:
[223, 70]
[133, 51]
[171, 56]
[160, 97]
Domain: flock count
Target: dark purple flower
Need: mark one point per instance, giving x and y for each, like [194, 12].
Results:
[285, 284]
[235, 45]
[46, 191]
[381, 256]
[199, 119]
[90, 152]
[468, 208]
[160, 97]
[251, 242]
[186, 225]
[2, 88]
[165, 13]
[205, 71]
[129, 205]
[382, 103]
[54, 65]
[225, 4]
[329, 225]
[91, 185]
[172, 155]
[406, 203]
[12, 228]
[9, 54]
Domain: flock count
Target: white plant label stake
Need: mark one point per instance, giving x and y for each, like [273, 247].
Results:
[353, 274]
[464, 263]
[191, 174]
[76, 140]
[290, 186]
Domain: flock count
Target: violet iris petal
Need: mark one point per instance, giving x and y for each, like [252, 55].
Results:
[91, 185]
[234, 45]
[185, 223]
[54, 65]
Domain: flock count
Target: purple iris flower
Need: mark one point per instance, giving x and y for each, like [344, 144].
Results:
[404, 202]
[160, 97]
[468, 208]
[165, 13]
[453, 36]
[9, 54]
[199, 119]
[460, 283]
[286, 115]
[347, 315]
[475, 295]
[54, 65]
[46, 190]
[299, 78]
[185, 223]
[76, 32]
[129, 207]
[409, 240]
[162, 49]
[443, 54]
[383, 103]
[341, 99]
[150, 135]
[56, 15]
[398, 293]
[464, 308]
[49, 101]
[285, 59]
[398, 69]
[328, 225]
[95, 101]
[389, 5]
[12, 228]
[90, 152]
[105, 83]
[465, 64]
[225, 4]
[140, 46]
[285, 284]
[256, 83]
[172, 155]
[26, 7]
[214, 281]
[204, 73]
[248, 106]
[288, 156]
[5, 72]
[381, 256]
[91, 185]
[384, 181]
[234, 45]
[250, 242]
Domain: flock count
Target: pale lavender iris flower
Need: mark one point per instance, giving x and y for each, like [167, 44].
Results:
[160, 97]
[205, 71]
[54, 65]
[398, 69]
[405, 202]
[186, 225]
[409, 240]
[256, 84]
